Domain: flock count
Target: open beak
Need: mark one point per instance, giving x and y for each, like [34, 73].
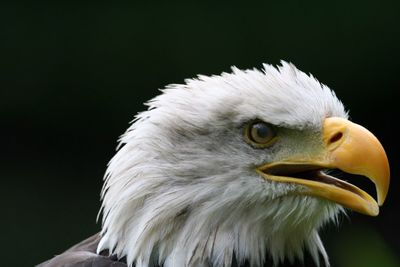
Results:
[348, 147]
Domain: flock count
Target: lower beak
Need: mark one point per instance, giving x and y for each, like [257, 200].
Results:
[348, 147]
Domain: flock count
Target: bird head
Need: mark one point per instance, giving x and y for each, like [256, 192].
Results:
[235, 168]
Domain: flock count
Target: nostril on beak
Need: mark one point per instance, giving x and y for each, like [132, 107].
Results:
[336, 137]
[335, 131]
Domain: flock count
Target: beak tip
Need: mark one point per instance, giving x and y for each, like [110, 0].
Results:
[374, 210]
[381, 200]
[375, 214]
[382, 191]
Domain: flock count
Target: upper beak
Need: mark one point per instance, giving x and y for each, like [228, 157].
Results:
[348, 147]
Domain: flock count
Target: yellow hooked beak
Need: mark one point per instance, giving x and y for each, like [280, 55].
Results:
[348, 147]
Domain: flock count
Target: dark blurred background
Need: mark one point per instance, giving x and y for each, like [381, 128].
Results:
[72, 76]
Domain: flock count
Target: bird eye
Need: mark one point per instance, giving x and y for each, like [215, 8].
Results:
[260, 134]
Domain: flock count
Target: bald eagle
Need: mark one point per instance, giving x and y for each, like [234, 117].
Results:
[232, 170]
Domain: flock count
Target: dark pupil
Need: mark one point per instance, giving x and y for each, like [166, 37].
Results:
[262, 130]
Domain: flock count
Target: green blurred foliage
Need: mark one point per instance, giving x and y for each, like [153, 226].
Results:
[363, 246]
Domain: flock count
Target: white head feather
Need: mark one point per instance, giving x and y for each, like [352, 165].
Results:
[182, 189]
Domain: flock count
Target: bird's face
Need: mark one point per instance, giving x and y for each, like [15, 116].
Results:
[240, 159]
[243, 142]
